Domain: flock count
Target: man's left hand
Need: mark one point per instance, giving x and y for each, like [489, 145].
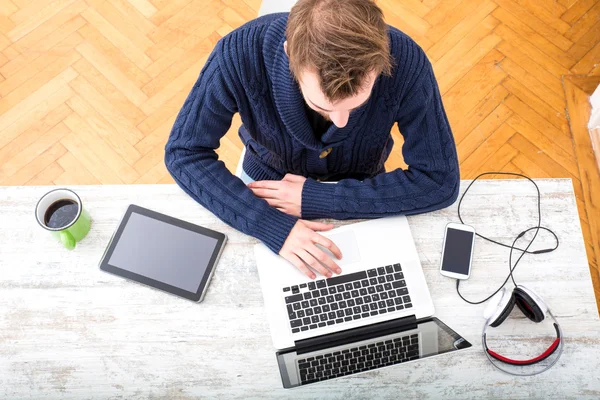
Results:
[285, 195]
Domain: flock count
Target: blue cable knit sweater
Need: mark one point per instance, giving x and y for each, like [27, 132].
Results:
[248, 72]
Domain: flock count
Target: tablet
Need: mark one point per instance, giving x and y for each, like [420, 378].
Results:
[163, 252]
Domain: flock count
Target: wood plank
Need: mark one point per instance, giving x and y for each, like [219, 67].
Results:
[90, 160]
[131, 50]
[408, 22]
[586, 83]
[23, 157]
[168, 110]
[463, 124]
[8, 8]
[40, 39]
[526, 63]
[75, 172]
[183, 82]
[108, 53]
[91, 138]
[34, 116]
[17, 111]
[112, 74]
[100, 105]
[579, 112]
[467, 52]
[460, 12]
[133, 15]
[32, 85]
[4, 42]
[557, 102]
[27, 71]
[526, 47]
[577, 10]
[548, 12]
[156, 138]
[59, 42]
[475, 85]
[543, 43]
[103, 129]
[567, 3]
[146, 8]
[588, 62]
[198, 53]
[483, 131]
[543, 160]
[149, 160]
[533, 101]
[563, 139]
[36, 166]
[586, 43]
[166, 180]
[32, 130]
[27, 19]
[558, 153]
[498, 161]
[584, 24]
[415, 6]
[109, 91]
[440, 11]
[164, 13]
[47, 176]
[542, 28]
[478, 159]
[126, 27]
[459, 31]
[154, 175]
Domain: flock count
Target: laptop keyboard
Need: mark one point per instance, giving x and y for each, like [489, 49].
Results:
[345, 298]
[358, 359]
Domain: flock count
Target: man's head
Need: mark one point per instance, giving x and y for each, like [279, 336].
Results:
[337, 49]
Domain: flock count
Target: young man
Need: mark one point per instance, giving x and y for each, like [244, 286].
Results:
[318, 92]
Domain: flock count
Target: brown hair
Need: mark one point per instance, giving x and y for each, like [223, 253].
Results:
[341, 40]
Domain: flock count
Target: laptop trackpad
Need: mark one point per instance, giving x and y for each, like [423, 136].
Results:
[347, 243]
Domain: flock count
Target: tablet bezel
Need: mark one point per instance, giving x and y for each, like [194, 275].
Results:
[194, 296]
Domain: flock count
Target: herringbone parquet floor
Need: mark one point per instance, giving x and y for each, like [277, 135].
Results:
[89, 89]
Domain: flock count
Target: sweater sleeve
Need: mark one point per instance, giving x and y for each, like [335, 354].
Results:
[191, 159]
[431, 181]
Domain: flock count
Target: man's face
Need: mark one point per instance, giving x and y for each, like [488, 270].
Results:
[338, 111]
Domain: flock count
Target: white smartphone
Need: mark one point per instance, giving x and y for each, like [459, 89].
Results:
[457, 251]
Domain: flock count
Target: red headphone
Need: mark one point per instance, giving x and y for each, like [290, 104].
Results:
[534, 308]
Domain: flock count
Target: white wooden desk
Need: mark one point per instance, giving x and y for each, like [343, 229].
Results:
[71, 331]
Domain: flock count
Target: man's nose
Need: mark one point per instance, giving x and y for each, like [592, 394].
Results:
[339, 118]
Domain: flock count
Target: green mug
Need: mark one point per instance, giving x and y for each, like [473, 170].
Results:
[61, 212]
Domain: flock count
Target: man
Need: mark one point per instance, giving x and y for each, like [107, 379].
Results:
[318, 92]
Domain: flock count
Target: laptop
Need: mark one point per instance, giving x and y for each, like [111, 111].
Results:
[377, 313]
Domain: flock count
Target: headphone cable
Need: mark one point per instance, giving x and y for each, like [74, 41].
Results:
[512, 247]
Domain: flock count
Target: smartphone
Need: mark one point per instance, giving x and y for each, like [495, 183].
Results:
[457, 251]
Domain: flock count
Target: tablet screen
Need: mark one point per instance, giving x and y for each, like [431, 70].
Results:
[163, 252]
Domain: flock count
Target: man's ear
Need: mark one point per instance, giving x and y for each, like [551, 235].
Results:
[285, 48]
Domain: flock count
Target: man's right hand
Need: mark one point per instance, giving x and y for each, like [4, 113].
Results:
[300, 247]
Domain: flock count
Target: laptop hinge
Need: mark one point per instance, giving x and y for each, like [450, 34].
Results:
[355, 334]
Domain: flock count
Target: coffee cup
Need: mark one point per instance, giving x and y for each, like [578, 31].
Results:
[61, 212]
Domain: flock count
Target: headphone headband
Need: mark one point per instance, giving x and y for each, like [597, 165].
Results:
[547, 353]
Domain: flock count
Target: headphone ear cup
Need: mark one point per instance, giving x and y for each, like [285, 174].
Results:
[505, 312]
[528, 305]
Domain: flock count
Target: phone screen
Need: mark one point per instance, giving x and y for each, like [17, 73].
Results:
[457, 251]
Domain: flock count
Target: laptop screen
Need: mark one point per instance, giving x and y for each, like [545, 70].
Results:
[425, 338]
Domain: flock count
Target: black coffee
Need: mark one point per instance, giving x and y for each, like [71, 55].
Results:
[61, 213]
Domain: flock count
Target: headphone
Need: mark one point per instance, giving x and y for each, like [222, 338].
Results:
[534, 308]
[528, 301]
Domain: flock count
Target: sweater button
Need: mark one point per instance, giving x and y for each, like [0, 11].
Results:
[325, 153]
